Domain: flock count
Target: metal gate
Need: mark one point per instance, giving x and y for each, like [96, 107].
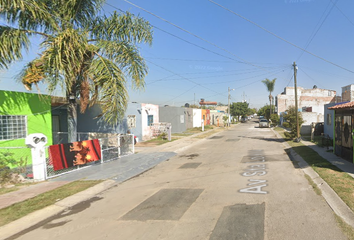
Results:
[112, 148]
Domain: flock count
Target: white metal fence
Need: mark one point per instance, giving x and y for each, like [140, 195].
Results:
[159, 128]
[113, 146]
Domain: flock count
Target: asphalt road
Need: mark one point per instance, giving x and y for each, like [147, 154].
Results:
[239, 184]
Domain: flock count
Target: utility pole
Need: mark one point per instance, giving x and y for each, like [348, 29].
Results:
[296, 107]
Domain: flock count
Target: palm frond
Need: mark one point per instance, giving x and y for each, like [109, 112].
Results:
[128, 59]
[112, 93]
[12, 41]
[28, 14]
[65, 53]
[269, 84]
[33, 73]
[123, 28]
[74, 12]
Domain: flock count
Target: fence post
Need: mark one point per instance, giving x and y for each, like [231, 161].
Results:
[37, 142]
[101, 146]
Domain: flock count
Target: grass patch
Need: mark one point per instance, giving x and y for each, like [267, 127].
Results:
[313, 184]
[7, 190]
[157, 141]
[341, 182]
[16, 187]
[346, 229]
[209, 133]
[199, 129]
[21, 209]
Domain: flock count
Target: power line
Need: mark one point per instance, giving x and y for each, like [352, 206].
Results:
[203, 77]
[343, 13]
[319, 84]
[281, 37]
[315, 33]
[194, 35]
[173, 35]
[181, 76]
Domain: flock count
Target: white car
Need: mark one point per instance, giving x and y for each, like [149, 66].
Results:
[263, 123]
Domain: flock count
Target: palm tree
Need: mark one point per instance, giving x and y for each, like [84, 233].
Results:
[89, 54]
[270, 87]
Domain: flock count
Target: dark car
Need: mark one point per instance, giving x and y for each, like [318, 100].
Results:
[319, 129]
[244, 119]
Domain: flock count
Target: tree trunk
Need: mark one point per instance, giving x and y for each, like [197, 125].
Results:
[270, 103]
[72, 115]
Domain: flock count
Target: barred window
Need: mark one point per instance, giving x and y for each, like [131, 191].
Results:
[13, 127]
[150, 119]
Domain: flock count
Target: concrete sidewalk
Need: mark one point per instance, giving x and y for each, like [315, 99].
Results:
[129, 166]
[330, 196]
[119, 170]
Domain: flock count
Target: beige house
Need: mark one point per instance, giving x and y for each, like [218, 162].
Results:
[310, 103]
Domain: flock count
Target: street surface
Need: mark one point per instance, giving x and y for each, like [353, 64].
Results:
[238, 184]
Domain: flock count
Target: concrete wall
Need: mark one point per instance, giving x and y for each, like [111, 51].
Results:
[188, 117]
[88, 122]
[175, 116]
[348, 93]
[133, 109]
[146, 110]
[197, 117]
[36, 108]
[328, 120]
[215, 117]
[310, 117]
[315, 98]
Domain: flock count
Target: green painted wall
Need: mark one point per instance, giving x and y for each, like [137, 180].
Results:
[36, 107]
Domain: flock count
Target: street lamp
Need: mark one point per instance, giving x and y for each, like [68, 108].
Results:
[228, 109]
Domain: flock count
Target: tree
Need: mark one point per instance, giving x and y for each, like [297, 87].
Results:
[87, 53]
[270, 87]
[239, 109]
[265, 111]
[290, 119]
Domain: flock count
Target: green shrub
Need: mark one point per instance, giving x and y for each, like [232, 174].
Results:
[286, 124]
[275, 119]
[7, 174]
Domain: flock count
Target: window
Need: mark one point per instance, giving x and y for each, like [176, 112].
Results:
[329, 119]
[13, 127]
[150, 119]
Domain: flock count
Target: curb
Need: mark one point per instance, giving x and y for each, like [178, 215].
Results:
[330, 196]
[36, 217]
[32, 219]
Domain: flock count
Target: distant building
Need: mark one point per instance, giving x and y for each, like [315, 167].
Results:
[310, 103]
[348, 93]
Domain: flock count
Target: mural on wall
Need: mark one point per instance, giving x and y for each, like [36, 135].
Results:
[73, 154]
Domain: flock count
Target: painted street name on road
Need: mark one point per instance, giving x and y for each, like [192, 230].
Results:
[255, 185]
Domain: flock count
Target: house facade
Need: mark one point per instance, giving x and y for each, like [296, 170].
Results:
[216, 117]
[197, 117]
[138, 119]
[310, 103]
[22, 114]
[176, 116]
[343, 129]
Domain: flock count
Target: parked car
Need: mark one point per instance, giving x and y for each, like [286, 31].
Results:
[244, 119]
[263, 123]
[319, 127]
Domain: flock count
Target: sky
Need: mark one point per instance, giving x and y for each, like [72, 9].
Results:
[202, 48]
